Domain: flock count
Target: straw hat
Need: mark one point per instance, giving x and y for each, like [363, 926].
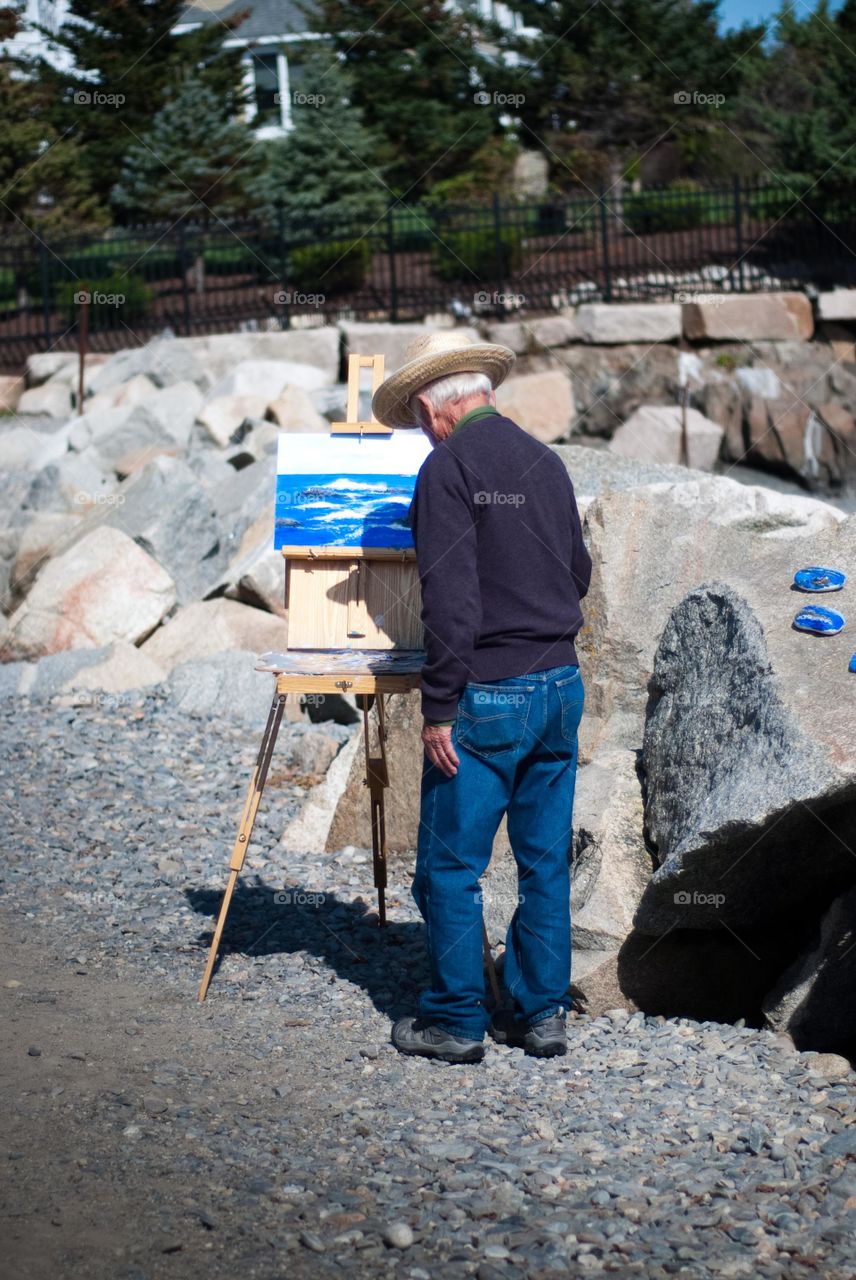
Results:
[432, 356]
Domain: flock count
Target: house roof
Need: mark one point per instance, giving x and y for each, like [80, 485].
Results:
[266, 17]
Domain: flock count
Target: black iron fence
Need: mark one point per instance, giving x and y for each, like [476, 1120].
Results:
[411, 261]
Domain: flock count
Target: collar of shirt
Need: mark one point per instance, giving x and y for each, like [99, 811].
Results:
[481, 411]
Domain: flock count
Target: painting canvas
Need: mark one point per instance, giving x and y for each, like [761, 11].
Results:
[346, 491]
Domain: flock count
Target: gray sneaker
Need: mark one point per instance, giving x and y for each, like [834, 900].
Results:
[547, 1039]
[416, 1036]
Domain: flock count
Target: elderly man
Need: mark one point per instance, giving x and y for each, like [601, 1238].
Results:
[503, 569]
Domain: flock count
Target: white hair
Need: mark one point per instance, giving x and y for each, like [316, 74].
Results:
[455, 386]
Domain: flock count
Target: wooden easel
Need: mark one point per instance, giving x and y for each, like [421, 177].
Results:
[367, 581]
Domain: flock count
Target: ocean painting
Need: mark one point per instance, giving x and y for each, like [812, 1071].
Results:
[333, 491]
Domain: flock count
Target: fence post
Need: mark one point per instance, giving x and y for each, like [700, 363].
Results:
[46, 288]
[393, 279]
[604, 238]
[738, 231]
[283, 265]
[500, 265]
[185, 288]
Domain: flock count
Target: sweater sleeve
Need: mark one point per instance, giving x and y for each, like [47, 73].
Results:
[444, 531]
[580, 558]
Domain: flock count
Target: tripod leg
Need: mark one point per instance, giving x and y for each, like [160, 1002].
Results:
[245, 830]
[377, 780]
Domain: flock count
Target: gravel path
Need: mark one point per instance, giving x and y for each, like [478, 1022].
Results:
[273, 1131]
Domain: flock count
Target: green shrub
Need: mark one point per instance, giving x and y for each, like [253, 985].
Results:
[471, 256]
[336, 267]
[675, 210]
[116, 299]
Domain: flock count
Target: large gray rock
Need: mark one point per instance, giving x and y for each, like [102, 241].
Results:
[611, 382]
[839, 304]
[42, 365]
[654, 433]
[209, 627]
[102, 589]
[22, 448]
[749, 317]
[71, 485]
[223, 686]
[749, 763]
[541, 403]
[44, 535]
[165, 361]
[622, 322]
[167, 511]
[52, 399]
[267, 379]
[813, 999]
[319, 347]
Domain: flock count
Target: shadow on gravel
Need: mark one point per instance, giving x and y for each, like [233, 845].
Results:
[390, 964]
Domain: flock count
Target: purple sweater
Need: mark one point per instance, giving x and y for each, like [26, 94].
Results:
[501, 560]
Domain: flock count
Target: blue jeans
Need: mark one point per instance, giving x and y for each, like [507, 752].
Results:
[516, 740]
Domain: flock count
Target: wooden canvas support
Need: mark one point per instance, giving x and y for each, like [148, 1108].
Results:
[353, 425]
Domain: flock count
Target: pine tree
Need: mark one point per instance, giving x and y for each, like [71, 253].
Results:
[125, 60]
[811, 100]
[43, 183]
[605, 84]
[192, 164]
[327, 167]
[414, 70]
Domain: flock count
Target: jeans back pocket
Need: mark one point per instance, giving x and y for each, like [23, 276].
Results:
[492, 718]
[571, 698]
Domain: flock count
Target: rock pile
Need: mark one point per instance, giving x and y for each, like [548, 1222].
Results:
[713, 862]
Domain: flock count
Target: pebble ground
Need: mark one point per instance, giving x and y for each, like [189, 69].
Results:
[273, 1132]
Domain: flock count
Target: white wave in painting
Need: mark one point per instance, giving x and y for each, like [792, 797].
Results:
[343, 511]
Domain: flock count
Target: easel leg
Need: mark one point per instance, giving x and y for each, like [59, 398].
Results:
[245, 830]
[377, 779]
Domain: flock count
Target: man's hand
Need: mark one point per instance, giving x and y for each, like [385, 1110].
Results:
[437, 739]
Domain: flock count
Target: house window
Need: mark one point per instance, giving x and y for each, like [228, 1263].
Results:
[267, 88]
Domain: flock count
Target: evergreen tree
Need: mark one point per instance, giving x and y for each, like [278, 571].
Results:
[606, 83]
[810, 104]
[125, 57]
[192, 164]
[328, 165]
[43, 183]
[414, 71]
